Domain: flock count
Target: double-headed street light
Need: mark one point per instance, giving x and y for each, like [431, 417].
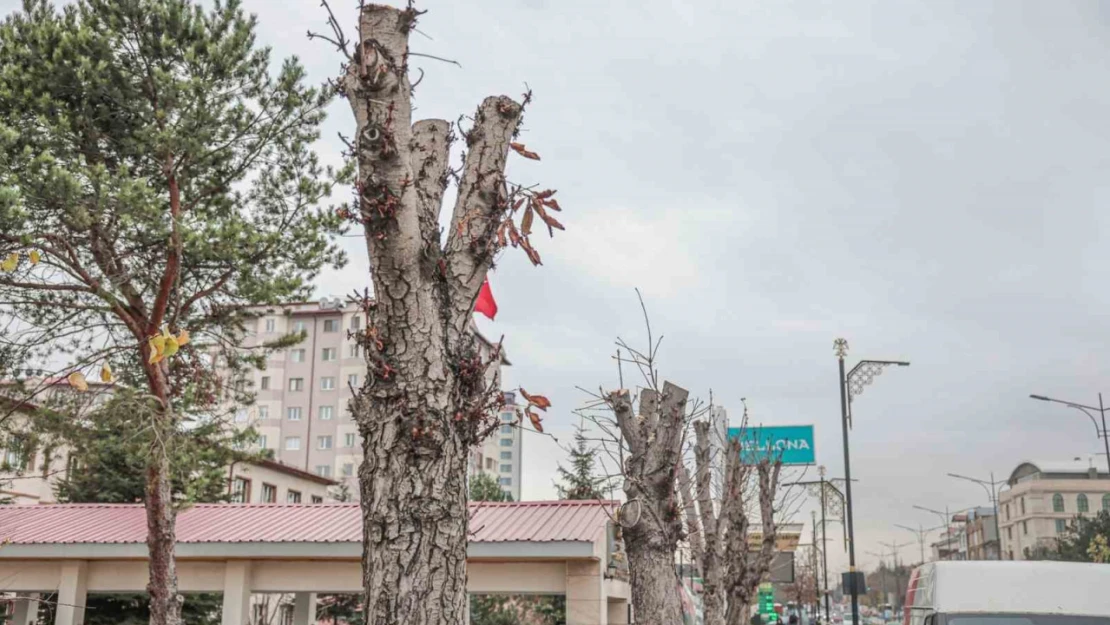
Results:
[851, 386]
[992, 491]
[921, 532]
[1100, 433]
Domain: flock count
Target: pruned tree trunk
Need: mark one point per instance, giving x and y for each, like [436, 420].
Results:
[712, 554]
[427, 399]
[652, 520]
[746, 570]
[165, 602]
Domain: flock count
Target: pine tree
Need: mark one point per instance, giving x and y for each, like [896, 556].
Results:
[580, 481]
[155, 180]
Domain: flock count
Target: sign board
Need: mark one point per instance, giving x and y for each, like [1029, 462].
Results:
[792, 444]
[787, 537]
[767, 604]
[782, 568]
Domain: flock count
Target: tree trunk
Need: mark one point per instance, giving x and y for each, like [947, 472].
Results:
[713, 600]
[165, 602]
[654, 583]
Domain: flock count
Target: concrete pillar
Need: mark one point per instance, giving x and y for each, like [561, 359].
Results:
[72, 593]
[586, 600]
[618, 612]
[26, 609]
[237, 593]
[304, 608]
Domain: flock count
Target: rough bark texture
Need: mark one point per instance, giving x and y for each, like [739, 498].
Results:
[165, 602]
[746, 569]
[712, 554]
[425, 401]
[652, 520]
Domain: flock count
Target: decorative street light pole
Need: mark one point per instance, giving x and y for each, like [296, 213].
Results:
[1103, 434]
[851, 386]
[992, 491]
[831, 498]
[921, 532]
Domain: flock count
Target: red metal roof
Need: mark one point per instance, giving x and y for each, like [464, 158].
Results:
[538, 521]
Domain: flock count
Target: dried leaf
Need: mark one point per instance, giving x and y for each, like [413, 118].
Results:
[535, 419]
[517, 204]
[35, 257]
[546, 193]
[501, 240]
[552, 223]
[106, 373]
[183, 338]
[77, 381]
[526, 222]
[171, 347]
[514, 236]
[10, 263]
[523, 151]
[157, 345]
[539, 401]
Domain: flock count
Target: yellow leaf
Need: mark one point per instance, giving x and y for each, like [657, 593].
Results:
[157, 347]
[106, 373]
[77, 381]
[171, 347]
[10, 263]
[183, 338]
[35, 257]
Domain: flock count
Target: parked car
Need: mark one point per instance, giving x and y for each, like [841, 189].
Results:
[1008, 593]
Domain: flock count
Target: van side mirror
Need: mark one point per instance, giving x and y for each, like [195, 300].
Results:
[931, 619]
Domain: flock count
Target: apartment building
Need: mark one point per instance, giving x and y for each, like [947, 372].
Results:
[301, 406]
[1043, 497]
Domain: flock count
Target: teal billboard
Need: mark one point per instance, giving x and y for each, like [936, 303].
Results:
[793, 444]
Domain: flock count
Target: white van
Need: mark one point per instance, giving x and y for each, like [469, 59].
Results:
[1009, 593]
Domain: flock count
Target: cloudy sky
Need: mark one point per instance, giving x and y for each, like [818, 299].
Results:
[926, 179]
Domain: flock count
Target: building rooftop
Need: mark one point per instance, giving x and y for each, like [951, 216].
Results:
[539, 521]
[1057, 469]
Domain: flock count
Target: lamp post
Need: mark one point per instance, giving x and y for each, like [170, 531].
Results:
[830, 497]
[1103, 434]
[992, 491]
[851, 386]
[894, 547]
[921, 532]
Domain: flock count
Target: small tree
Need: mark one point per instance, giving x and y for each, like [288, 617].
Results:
[484, 487]
[581, 480]
[155, 179]
[1084, 540]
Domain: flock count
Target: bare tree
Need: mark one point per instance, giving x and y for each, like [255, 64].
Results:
[428, 398]
[747, 568]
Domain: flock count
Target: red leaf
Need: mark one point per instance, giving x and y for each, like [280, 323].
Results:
[516, 204]
[535, 419]
[523, 151]
[501, 235]
[552, 223]
[539, 401]
[554, 204]
[526, 222]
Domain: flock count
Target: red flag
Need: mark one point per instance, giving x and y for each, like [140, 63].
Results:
[486, 304]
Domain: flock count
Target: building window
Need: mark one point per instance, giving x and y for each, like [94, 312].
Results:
[323, 442]
[506, 468]
[1057, 503]
[348, 469]
[506, 429]
[293, 496]
[262, 441]
[1025, 528]
[298, 326]
[329, 353]
[271, 325]
[506, 417]
[326, 413]
[265, 383]
[285, 616]
[269, 493]
[1023, 506]
[506, 442]
[352, 380]
[1009, 533]
[1061, 526]
[352, 350]
[506, 455]
[293, 414]
[349, 439]
[317, 499]
[240, 490]
[323, 470]
[1081, 503]
[490, 463]
[327, 383]
[331, 325]
[356, 323]
[293, 443]
[1006, 508]
[296, 355]
[263, 412]
[296, 384]
[505, 481]
[1106, 502]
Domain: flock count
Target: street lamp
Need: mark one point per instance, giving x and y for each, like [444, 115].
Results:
[992, 492]
[831, 497]
[851, 386]
[921, 532]
[1101, 411]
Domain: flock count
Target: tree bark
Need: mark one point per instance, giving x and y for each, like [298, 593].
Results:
[165, 601]
[746, 570]
[426, 400]
[652, 521]
[713, 600]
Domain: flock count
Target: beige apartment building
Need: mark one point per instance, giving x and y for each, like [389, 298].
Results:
[1043, 497]
[301, 406]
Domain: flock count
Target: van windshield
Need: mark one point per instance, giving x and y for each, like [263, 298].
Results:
[1025, 619]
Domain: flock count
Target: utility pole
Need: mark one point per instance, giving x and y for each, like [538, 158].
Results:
[1103, 434]
[852, 385]
[829, 494]
[992, 490]
[921, 532]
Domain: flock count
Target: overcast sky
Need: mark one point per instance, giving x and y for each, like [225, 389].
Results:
[925, 179]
